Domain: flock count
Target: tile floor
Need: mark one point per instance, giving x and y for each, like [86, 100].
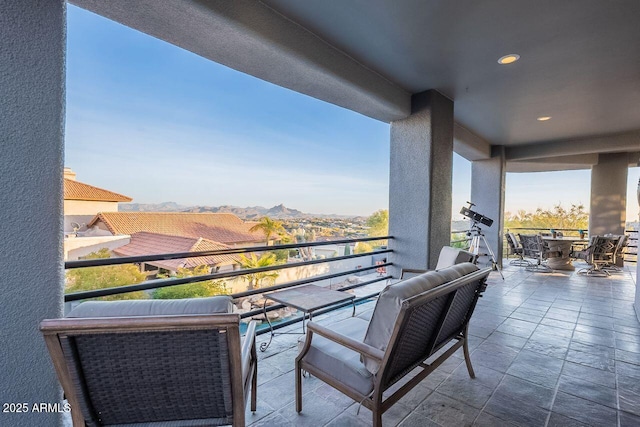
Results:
[554, 349]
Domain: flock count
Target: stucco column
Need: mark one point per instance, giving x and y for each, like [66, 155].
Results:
[32, 59]
[637, 301]
[487, 192]
[420, 181]
[608, 210]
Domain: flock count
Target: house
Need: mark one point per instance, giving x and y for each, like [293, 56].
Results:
[510, 86]
[145, 243]
[83, 201]
[81, 204]
[224, 228]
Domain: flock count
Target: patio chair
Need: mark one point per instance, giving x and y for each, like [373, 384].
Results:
[599, 254]
[448, 256]
[515, 248]
[618, 255]
[150, 362]
[533, 247]
[412, 321]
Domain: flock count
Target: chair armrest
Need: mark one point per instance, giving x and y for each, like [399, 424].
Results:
[248, 348]
[411, 271]
[360, 347]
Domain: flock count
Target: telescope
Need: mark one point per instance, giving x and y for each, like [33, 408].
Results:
[475, 216]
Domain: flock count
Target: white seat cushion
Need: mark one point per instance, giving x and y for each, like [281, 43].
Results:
[169, 307]
[451, 256]
[339, 362]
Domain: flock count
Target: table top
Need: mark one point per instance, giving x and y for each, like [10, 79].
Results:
[566, 238]
[309, 297]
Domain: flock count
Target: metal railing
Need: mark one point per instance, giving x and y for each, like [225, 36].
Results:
[174, 281]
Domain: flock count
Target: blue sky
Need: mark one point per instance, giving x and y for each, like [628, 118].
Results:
[158, 123]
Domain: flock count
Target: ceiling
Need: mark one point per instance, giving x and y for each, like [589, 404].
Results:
[579, 64]
[580, 60]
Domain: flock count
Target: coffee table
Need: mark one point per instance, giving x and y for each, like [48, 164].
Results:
[307, 298]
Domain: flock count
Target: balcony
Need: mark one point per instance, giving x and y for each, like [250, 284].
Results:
[555, 349]
[548, 349]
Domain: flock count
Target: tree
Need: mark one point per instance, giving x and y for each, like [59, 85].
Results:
[347, 250]
[362, 247]
[206, 288]
[268, 226]
[256, 279]
[306, 253]
[558, 217]
[378, 223]
[110, 276]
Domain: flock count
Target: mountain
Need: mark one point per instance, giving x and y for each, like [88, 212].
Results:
[249, 213]
[151, 207]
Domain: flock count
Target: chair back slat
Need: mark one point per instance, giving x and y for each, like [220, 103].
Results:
[603, 248]
[531, 245]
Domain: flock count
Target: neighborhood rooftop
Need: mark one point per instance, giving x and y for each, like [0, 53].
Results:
[218, 227]
[144, 243]
[74, 190]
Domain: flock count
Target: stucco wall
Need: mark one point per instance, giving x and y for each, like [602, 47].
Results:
[421, 162]
[88, 207]
[487, 192]
[32, 79]
[76, 247]
[608, 207]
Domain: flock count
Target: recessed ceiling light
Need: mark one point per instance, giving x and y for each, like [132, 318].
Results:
[543, 118]
[509, 59]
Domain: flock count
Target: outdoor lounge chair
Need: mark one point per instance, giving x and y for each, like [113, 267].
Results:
[599, 254]
[168, 362]
[413, 319]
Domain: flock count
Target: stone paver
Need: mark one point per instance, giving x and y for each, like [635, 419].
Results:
[549, 349]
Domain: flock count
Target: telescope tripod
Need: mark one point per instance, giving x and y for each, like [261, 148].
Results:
[474, 247]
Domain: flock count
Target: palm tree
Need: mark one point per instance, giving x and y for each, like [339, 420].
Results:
[268, 226]
[255, 279]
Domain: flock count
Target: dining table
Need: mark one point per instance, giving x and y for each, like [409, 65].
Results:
[560, 250]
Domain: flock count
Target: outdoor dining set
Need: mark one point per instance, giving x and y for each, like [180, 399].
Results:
[548, 252]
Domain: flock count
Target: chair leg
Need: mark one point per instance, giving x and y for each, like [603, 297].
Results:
[254, 385]
[465, 350]
[377, 417]
[298, 387]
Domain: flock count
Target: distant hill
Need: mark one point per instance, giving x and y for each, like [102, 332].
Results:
[249, 213]
[151, 207]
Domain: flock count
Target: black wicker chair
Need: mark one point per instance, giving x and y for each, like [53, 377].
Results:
[412, 321]
[184, 367]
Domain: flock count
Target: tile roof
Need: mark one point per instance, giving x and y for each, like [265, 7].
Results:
[74, 190]
[219, 227]
[144, 243]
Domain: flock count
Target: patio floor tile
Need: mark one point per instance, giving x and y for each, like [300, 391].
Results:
[548, 350]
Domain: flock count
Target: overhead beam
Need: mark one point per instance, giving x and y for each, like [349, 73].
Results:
[562, 163]
[250, 37]
[617, 143]
[469, 145]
